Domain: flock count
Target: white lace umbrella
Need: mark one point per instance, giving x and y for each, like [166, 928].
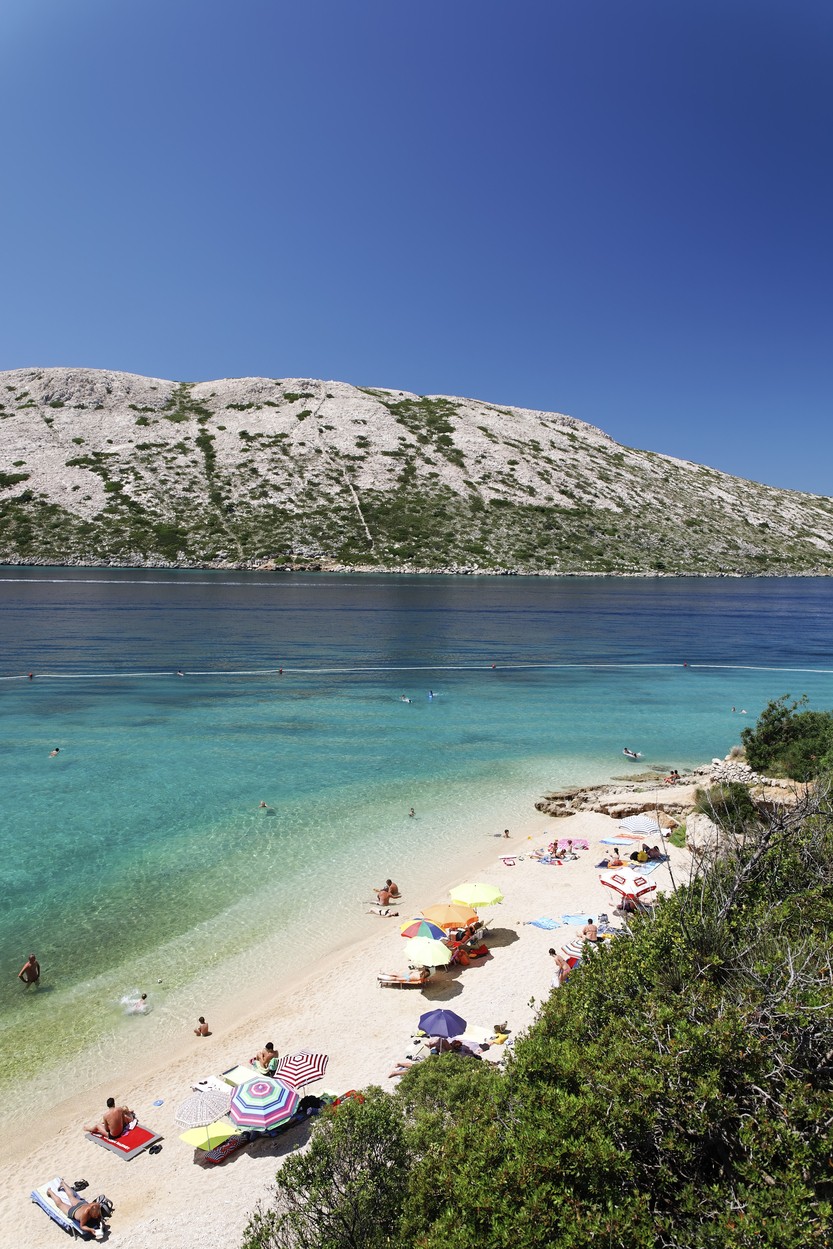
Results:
[203, 1108]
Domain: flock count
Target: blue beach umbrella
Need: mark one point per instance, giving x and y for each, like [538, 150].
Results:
[442, 1023]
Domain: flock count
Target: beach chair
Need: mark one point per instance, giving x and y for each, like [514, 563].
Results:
[132, 1142]
[402, 980]
[57, 1215]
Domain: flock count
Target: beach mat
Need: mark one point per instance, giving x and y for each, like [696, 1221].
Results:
[545, 923]
[574, 919]
[129, 1144]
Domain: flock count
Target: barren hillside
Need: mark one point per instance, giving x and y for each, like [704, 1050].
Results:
[99, 467]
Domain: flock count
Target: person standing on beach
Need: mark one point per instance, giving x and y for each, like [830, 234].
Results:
[30, 971]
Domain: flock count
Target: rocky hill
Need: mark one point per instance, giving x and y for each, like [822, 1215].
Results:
[110, 468]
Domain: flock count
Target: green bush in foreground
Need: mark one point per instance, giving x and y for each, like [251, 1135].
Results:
[676, 1092]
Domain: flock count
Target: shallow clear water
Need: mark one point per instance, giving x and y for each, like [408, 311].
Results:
[139, 852]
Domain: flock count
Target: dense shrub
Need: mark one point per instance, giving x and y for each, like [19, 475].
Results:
[790, 741]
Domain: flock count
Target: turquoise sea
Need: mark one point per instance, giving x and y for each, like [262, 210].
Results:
[138, 857]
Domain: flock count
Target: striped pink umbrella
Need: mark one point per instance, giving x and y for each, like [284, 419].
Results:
[300, 1069]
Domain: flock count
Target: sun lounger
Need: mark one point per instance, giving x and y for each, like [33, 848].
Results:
[129, 1144]
[57, 1215]
[238, 1075]
[401, 980]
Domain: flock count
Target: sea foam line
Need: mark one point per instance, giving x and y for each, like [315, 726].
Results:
[503, 667]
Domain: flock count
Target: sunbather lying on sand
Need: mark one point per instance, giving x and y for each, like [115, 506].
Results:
[84, 1213]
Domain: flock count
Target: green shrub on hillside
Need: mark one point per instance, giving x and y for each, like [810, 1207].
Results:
[789, 741]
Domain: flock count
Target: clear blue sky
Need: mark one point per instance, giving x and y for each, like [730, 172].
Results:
[619, 210]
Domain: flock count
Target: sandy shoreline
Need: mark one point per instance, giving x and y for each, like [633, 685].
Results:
[336, 1006]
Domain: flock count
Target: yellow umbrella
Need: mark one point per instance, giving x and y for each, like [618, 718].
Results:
[423, 952]
[208, 1138]
[476, 895]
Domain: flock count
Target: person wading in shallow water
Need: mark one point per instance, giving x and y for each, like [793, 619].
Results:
[30, 971]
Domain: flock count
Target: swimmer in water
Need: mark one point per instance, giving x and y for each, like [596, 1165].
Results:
[54, 752]
[412, 812]
[136, 1005]
[180, 673]
[404, 699]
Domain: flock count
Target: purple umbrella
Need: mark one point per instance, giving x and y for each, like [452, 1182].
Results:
[442, 1023]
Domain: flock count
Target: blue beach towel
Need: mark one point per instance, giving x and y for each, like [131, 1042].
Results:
[545, 923]
[575, 919]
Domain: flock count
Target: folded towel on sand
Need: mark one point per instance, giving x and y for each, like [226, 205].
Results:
[545, 923]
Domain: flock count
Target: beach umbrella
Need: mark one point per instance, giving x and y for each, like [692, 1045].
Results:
[212, 1135]
[645, 825]
[449, 915]
[573, 949]
[442, 1023]
[426, 953]
[476, 895]
[422, 927]
[297, 1070]
[203, 1108]
[627, 885]
[263, 1103]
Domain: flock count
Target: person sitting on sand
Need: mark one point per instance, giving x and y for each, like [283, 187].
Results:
[390, 889]
[202, 1028]
[614, 859]
[566, 853]
[266, 1060]
[383, 895]
[590, 932]
[114, 1122]
[30, 971]
[85, 1213]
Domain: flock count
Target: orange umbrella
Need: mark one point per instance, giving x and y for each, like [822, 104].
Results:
[451, 915]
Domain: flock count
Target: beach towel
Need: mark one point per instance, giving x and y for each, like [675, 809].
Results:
[129, 1144]
[578, 843]
[545, 923]
[645, 869]
[229, 1147]
[575, 919]
[617, 841]
[55, 1214]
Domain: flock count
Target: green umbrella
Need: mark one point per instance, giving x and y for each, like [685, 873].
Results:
[476, 895]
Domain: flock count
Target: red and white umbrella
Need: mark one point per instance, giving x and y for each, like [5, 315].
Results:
[297, 1070]
[626, 884]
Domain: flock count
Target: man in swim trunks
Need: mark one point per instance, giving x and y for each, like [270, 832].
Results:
[84, 1213]
[590, 932]
[114, 1121]
[265, 1060]
[30, 971]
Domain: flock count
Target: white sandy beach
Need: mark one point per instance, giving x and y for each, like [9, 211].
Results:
[168, 1199]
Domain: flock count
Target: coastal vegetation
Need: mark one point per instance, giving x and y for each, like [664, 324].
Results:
[790, 740]
[264, 472]
[675, 1092]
